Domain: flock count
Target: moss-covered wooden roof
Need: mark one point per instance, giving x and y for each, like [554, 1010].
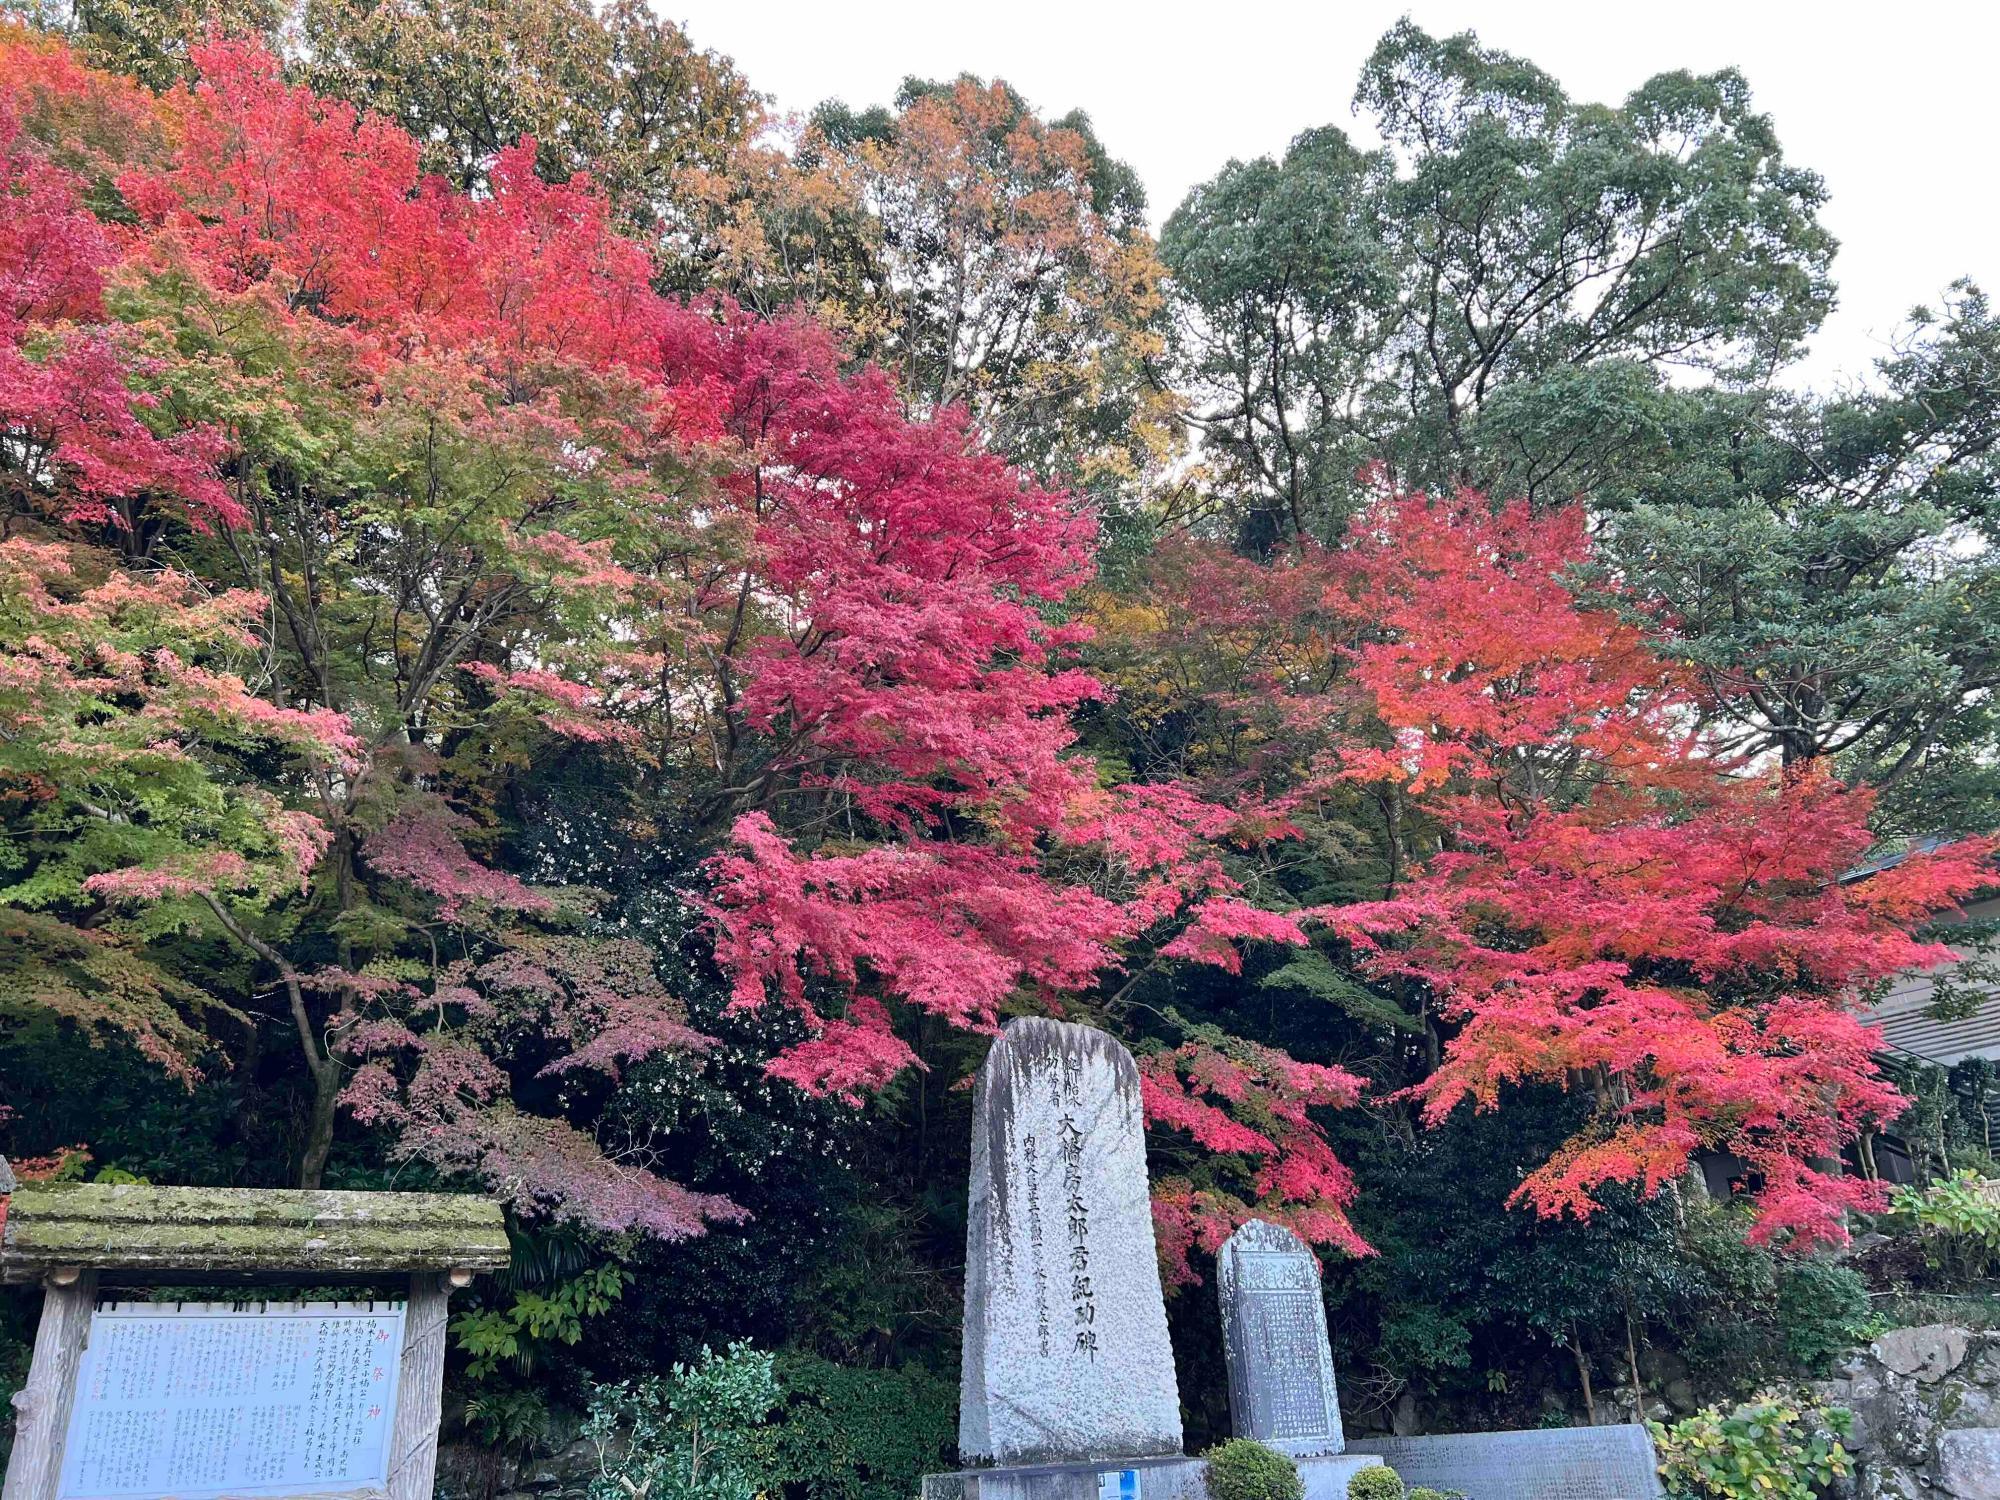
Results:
[168, 1232]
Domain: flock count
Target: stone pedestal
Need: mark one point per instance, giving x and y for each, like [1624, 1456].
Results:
[1158, 1478]
[1176, 1478]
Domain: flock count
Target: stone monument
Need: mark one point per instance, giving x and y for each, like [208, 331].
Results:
[1066, 1351]
[1281, 1389]
[1068, 1390]
[146, 1400]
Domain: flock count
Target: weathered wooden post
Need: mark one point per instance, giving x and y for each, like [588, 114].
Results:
[155, 1399]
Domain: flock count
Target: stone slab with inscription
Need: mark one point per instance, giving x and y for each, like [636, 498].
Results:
[1281, 1389]
[1559, 1463]
[1066, 1350]
[238, 1399]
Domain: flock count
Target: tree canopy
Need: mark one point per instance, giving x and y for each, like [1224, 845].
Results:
[568, 636]
[1498, 295]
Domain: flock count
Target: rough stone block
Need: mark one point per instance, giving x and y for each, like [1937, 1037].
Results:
[1968, 1406]
[1929, 1353]
[1968, 1465]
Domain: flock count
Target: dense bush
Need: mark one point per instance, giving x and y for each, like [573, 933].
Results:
[854, 1434]
[1770, 1449]
[687, 1435]
[1479, 1315]
[1822, 1310]
[1958, 1222]
[1380, 1483]
[750, 1423]
[1244, 1469]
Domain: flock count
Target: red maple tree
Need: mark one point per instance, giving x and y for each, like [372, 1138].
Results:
[1588, 895]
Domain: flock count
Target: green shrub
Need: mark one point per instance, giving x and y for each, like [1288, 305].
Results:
[1243, 1469]
[1958, 1223]
[1822, 1309]
[515, 1422]
[1379, 1483]
[1425, 1492]
[687, 1435]
[536, 1318]
[745, 1424]
[856, 1434]
[1768, 1449]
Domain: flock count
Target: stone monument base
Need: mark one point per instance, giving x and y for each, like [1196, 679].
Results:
[1172, 1478]
[1326, 1476]
[1553, 1463]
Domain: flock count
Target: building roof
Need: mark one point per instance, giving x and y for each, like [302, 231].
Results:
[1888, 855]
[1911, 1030]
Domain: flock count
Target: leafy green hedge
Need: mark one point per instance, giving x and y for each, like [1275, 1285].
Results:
[856, 1434]
[746, 1424]
[1380, 1483]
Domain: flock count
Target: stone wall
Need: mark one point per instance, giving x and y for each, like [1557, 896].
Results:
[1557, 1463]
[1926, 1404]
[468, 1472]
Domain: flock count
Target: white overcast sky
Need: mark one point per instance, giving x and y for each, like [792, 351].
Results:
[1896, 106]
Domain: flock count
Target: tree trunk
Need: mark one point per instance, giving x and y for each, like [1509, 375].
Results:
[319, 1134]
[321, 1065]
[1583, 1375]
[1392, 825]
[1632, 1356]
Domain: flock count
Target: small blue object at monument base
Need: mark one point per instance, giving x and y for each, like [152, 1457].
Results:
[1118, 1484]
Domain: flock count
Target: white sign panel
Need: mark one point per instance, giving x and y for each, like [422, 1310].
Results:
[212, 1399]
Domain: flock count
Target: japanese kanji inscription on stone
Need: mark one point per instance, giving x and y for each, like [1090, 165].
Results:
[1281, 1389]
[1066, 1352]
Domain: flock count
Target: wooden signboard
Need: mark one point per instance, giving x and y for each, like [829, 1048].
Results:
[215, 1399]
[258, 1399]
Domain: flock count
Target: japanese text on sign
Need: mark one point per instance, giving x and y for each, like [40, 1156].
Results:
[202, 1399]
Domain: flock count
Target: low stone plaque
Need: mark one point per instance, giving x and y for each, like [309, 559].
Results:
[1281, 1388]
[1558, 1463]
[1066, 1350]
[238, 1399]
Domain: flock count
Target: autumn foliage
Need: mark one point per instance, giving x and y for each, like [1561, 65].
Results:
[604, 516]
[1595, 898]
[337, 492]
